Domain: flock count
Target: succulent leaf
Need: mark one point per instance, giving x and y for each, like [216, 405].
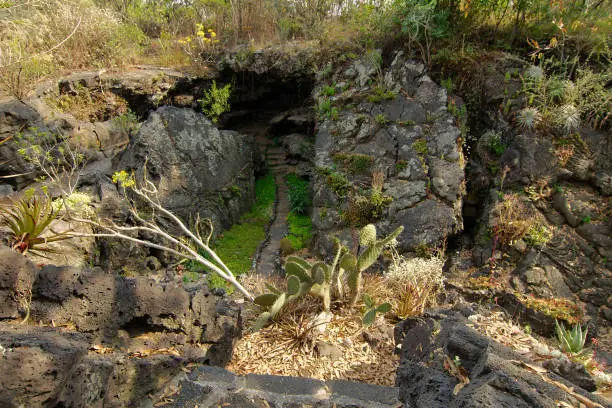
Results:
[278, 305]
[266, 300]
[300, 261]
[261, 321]
[384, 308]
[295, 269]
[368, 318]
[368, 257]
[367, 235]
[273, 289]
[348, 262]
[293, 285]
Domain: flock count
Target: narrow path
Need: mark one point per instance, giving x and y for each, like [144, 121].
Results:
[269, 258]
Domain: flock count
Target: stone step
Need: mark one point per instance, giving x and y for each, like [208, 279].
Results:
[208, 386]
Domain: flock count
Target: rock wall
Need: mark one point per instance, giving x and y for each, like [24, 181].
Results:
[102, 340]
[393, 121]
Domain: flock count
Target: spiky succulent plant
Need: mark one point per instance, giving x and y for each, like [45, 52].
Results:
[571, 341]
[528, 118]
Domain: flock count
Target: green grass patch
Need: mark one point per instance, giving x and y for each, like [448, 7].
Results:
[354, 163]
[379, 94]
[299, 194]
[237, 246]
[300, 230]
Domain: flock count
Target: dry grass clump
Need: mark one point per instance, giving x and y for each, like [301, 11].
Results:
[513, 219]
[414, 283]
[42, 37]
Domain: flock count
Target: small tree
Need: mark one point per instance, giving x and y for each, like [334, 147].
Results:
[191, 246]
[61, 165]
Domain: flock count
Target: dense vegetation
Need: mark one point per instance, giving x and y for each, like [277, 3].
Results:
[41, 38]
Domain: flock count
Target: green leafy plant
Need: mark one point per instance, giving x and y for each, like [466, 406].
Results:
[379, 94]
[496, 146]
[338, 183]
[325, 109]
[29, 220]
[329, 90]
[420, 146]
[127, 122]
[215, 101]
[371, 310]
[570, 341]
[381, 119]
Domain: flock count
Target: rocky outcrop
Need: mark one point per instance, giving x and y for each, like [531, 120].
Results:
[196, 167]
[121, 338]
[290, 60]
[109, 307]
[392, 123]
[440, 352]
[52, 367]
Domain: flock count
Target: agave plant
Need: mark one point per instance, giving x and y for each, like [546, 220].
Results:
[571, 341]
[569, 118]
[528, 118]
[29, 219]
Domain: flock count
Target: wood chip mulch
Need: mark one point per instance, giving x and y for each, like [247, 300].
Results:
[284, 349]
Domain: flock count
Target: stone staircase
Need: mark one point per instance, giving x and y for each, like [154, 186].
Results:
[208, 386]
[269, 256]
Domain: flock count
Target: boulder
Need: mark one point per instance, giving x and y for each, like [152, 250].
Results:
[440, 353]
[35, 363]
[17, 274]
[197, 168]
[105, 305]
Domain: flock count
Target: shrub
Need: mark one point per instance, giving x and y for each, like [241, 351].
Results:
[513, 219]
[215, 101]
[338, 183]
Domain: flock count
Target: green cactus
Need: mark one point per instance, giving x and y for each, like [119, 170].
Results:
[356, 265]
[323, 280]
[371, 309]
